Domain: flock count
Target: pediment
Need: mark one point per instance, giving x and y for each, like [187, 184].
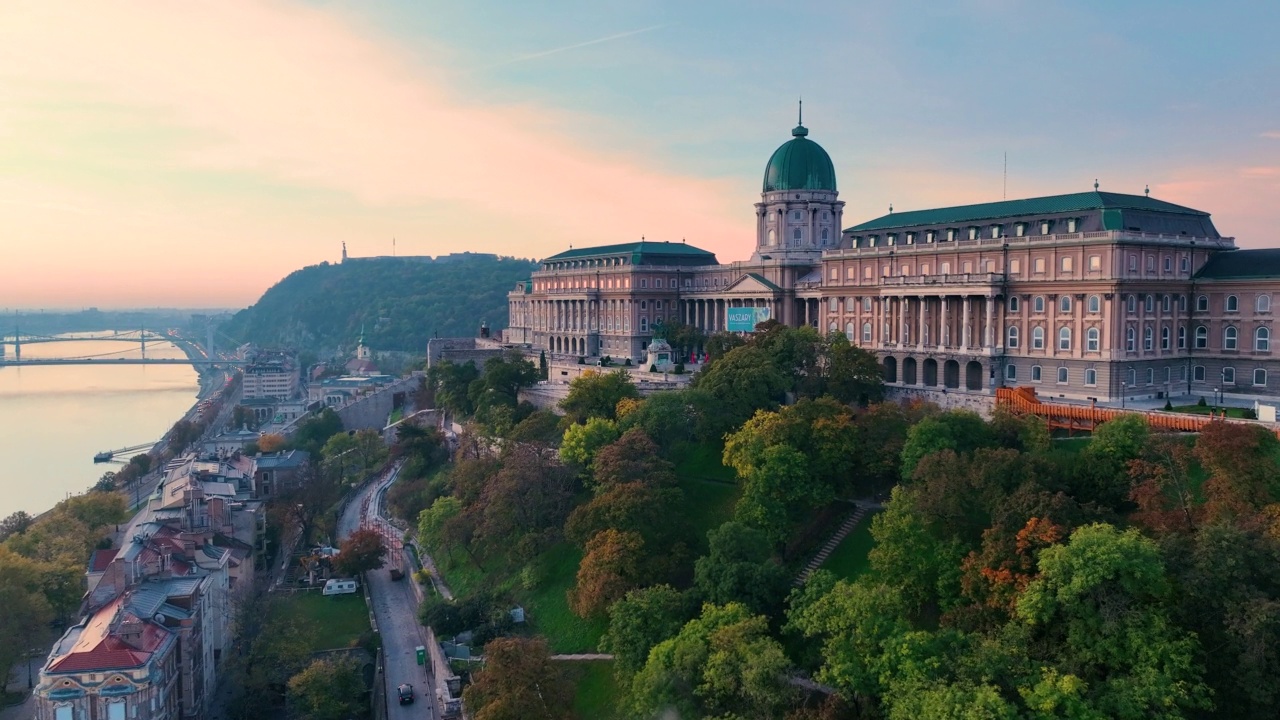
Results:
[752, 283]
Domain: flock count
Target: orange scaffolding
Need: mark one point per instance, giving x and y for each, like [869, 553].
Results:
[1023, 400]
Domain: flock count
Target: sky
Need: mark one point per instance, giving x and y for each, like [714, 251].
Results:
[180, 154]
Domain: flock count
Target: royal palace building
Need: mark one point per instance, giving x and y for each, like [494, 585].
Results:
[1092, 295]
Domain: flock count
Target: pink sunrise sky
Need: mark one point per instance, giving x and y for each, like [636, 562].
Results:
[192, 155]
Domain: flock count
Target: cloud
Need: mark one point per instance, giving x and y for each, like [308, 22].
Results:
[273, 130]
[1270, 135]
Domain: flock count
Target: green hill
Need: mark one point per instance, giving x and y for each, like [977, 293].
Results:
[400, 303]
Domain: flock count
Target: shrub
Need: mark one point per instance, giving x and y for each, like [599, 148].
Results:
[653, 368]
[1249, 414]
[628, 362]
[422, 576]
[1201, 402]
[530, 577]
[582, 360]
[679, 369]
[1168, 405]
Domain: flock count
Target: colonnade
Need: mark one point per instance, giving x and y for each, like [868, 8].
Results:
[962, 322]
[710, 315]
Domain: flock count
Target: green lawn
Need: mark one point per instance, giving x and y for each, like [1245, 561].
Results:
[548, 606]
[849, 559]
[598, 692]
[336, 621]
[1234, 412]
[702, 461]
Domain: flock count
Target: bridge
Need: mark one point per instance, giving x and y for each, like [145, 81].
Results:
[110, 455]
[117, 361]
[138, 337]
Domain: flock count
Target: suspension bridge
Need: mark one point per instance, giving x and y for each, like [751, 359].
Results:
[122, 357]
[115, 455]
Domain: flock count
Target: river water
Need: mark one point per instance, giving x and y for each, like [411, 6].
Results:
[54, 418]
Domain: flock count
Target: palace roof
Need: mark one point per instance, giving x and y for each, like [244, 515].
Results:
[1029, 207]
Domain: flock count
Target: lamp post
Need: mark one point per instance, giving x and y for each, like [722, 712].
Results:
[1215, 398]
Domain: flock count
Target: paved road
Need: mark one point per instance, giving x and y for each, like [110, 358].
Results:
[395, 610]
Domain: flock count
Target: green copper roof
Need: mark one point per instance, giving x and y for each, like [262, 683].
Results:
[800, 164]
[1050, 205]
[1263, 263]
[636, 248]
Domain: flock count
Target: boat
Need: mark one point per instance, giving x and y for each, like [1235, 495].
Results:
[104, 456]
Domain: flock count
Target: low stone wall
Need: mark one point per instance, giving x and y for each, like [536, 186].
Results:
[978, 401]
[370, 412]
[460, 351]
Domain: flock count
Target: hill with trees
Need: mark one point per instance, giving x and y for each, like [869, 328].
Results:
[399, 302]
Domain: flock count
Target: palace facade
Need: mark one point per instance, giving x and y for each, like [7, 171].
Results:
[1092, 295]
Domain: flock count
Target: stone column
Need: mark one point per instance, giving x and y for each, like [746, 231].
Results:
[920, 322]
[986, 328]
[964, 331]
[944, 334]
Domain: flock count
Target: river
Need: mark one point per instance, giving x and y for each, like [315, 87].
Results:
[54, 418]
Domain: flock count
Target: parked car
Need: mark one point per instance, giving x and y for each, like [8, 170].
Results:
[405, 692]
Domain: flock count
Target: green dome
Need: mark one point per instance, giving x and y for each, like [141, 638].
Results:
[800, 164]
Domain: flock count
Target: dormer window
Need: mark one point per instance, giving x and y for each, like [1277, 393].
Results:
[973, 233]
[892, 238]
[1019, 229]
[871, 241]
[911, 238]
[951, 235]
[1045, 226]
[996, 231]
[929, 236]
[1071, 225]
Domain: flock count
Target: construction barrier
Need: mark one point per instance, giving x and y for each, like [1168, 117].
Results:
[1023, 400]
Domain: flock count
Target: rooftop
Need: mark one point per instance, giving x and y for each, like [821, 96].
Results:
[1049, 205]
[644, 247]
[1242, 264]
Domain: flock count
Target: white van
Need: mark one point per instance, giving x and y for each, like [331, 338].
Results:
[338, 587]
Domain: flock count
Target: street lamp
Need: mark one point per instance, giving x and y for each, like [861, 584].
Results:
[1215, 397]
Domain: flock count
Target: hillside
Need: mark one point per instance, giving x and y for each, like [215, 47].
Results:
[400, 303]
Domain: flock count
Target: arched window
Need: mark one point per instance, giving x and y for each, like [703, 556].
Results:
[1064, 338]
[1035, 373]
[797, 234]
[1166, 303]
[1091, 337]
[1095, 304]
[1229, 334]
[1010, 372]
[1037, 338]
[1131, 304]
[1037, 304]
[848, 331]
[1202, 303]
[1064, 304]
[1062, 375]
[1197, 373]
[1149, 303]
[866, 332]
[1228, 376]
[1147, 338]
[1014, 303]
[1013, 336]
[825, 234]
[1262, 340]
[1262, 305]
[1202, 337]
[1130, 339]
[773, 236]
[832, 327]
[1233, 304]
[1151, 376]
[1090, 376]
[1259, 377]
[1182, 337]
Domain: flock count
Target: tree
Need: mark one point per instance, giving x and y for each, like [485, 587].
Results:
[849, 373]
[596, 394]
[519, 681]
[666, 417]
[925, 568]
[524, 503]
[15, 524]
[451, 384]
[745, 380]
[610, 567]
[271, 442]
[721, 664]
[582, 442]
[541, 427]
[363, 550]
[739, 568]
[1243, 472]
[780, 491]
[328, 690]
[631, 458]
[958, 430]
[1097, 613]
[271, 645]
[26, 609]
[431, 521]
[641, 619]
[315, 431]
[543, 371]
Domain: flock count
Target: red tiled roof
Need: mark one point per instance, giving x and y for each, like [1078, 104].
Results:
[98, 649]
[101, 559]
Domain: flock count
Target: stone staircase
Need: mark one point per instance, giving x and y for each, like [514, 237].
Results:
[850, 522]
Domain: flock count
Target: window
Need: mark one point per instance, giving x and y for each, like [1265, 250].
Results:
[1071, 225]
[1067, 264]
[1045, 226]
[906, 269]
[833, 304]
[1035, 373]
[848, 332]
[796, 215]
[911, 238]
[1228, 376]
[673, 283]
[1202, 337]
[1151, 376]
[1015, 267]
[1229, 334]
[1010, 372]
[1062, 376]
[1149, 303]
[1133, 263]
[644, 324]
[1233, 304]
[1182, 303]
[1013, 303]
[1147, 338]
[1184, 263]
[1164, 337]
[1151, 263]
[946, 268]
[1133, 377]
[967, 267]
[1202, 303]
[973, 233]
[1095, 304]
[1037, 266]
[797, 234]
[996, 231]
[951, 234]
[1182, 337]
[1095, 262]
[1197, 373]
[63, 713]
[866, 332]
[892, 238]
[1064, 338]
[1091, 338]
[1037, 338]
[1166, 303]
[115, 710]
[1263, 304]
[1019, 229]
[924, 269]
[1262, 340]
[1168, 374]
[1182, 373]
[1013, 336]
[644, 282]
[1259, 377]
[1168, 264]
[929, 236]
[1037, 304]
[1090, 376]
[866, 272]
[1130, 339]
[644, 304]
[825, 233]
[1131, 304]
[1064, 304]
[866, 304]
[850, 304]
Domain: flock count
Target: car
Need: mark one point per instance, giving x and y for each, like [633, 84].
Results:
[405, 692]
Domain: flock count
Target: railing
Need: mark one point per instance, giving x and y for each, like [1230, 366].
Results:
[1023, 400]
[1014, 241]
[951, 279]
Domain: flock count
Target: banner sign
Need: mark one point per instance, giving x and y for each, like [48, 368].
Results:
[745, 319]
